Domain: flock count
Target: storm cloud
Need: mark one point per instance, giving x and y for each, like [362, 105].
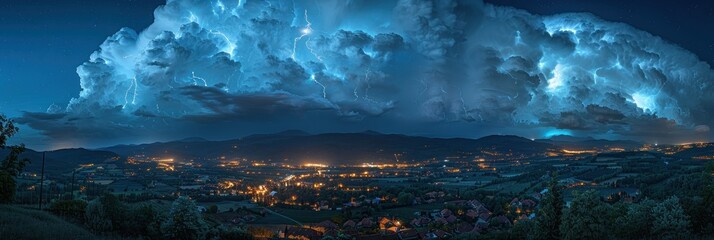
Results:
[386, 64]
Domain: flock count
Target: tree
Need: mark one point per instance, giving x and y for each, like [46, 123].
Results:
[405, 198]
[670, 222]
[234, 233]
[184, 221]
[7, 187]
[547, 222]
[97, 219]
[107, 214]
[521, 229]
[148, 221]
[212, 209]
[71, 209]
[12, 165]
[637, 220]
[586, 218]
[466, 236]
[702, 210]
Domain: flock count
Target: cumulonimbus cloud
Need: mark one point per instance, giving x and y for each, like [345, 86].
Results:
[393, 61]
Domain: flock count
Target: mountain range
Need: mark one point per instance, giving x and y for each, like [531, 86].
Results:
[297, 147]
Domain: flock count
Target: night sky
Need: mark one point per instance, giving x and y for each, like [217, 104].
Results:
[87, 73]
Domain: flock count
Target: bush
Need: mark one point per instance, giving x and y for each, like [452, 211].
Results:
[108, 214]
[7, 187]
[212, 209]
[184, 221]
[96, 218]
[71, 209]
[148, 221]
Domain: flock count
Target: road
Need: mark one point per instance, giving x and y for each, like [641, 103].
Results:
[286, 217]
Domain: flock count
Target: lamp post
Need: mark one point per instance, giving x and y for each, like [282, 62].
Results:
[42, 180]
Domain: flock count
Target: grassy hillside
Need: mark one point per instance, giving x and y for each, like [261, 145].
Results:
[21, 223]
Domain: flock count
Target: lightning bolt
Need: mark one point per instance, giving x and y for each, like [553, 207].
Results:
[423, 91]
[134, 85]
[319, 58]
[192, 17]
[324, 89]
[304, 32]
[228, 83]
[463, 106]
[231, 46]
[308, 30]
[193, 76]
[369, 86]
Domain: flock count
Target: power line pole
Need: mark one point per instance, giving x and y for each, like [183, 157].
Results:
[72, 188]
[42, 179]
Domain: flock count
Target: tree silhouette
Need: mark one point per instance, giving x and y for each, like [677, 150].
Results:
[184, 221]
[547, 224]
[670, 221]
[12, 165]
[586, 218]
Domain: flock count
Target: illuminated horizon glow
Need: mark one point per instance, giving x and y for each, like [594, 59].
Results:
[557, 132]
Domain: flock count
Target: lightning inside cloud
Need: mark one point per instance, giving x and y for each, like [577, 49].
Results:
[464, 63]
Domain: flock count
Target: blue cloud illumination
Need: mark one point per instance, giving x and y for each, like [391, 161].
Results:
[387, 63]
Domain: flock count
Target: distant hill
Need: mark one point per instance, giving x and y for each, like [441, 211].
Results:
[335, 148]
[696, 152]
[64, 160]
[581, 143]
[193, 139]
[298, 147]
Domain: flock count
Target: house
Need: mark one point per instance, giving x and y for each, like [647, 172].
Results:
[325, 226]
[451, 219]
[349, 224]
[365, 223]
[481, 224]
[471, 214]
[446, 213]
[441, 221]
[378, 236]
[409, 234]
[385, 223]
[464, 227]
[438, 234]
[301, 233]
[420, 222]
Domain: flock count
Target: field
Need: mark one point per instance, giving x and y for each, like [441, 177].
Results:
[20, 223]
[407, 213]
[301, 215]
[306, 216]
[226, 205]
[509, 187]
